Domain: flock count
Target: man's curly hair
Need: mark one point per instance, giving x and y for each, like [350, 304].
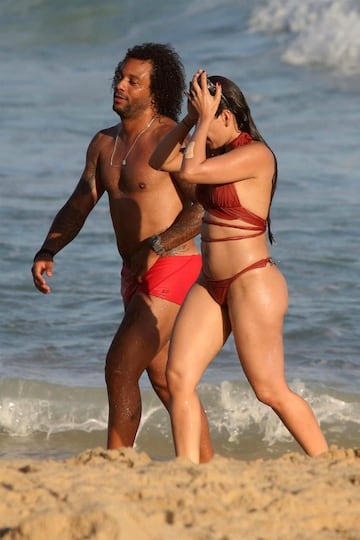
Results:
[167, 80]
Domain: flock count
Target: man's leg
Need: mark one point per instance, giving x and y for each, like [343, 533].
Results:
[143, 332]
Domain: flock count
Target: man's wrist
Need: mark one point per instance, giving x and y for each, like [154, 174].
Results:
[156, 245]
[45, 251]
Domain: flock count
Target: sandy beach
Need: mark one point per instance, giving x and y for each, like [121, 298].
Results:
[122, 494]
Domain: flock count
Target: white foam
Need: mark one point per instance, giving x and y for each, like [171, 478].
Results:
[240, 411]
[21, 417]
[325, 32]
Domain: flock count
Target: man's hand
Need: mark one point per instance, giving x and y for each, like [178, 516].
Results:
[42, 264]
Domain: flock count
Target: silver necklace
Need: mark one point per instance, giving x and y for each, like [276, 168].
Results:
[123, 163]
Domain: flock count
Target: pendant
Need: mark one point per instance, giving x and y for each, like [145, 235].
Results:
[123, 162]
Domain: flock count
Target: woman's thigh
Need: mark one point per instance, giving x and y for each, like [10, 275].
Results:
[257, 307]
[200, 331]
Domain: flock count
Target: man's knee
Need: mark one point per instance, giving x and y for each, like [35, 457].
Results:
[120, 373]
[113, 378]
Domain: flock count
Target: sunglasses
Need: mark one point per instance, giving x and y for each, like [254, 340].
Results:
[210, 86]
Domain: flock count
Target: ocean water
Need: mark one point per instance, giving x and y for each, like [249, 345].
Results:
[299, 66]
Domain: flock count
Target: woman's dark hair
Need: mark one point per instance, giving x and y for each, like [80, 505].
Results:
[167, 80]
[234, 100]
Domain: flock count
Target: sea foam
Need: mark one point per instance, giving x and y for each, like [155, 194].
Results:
[324, 32]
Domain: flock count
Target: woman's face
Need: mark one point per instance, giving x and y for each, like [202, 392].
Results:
[217, 134]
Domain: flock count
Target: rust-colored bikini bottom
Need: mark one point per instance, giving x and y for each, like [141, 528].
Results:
[218, 288]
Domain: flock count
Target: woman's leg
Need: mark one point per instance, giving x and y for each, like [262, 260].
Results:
[156, 372]
[256, 309]
[200, 331]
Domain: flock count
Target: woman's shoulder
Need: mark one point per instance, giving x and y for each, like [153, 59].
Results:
[259, 150]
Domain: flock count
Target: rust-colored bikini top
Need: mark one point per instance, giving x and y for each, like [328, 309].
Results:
[222, 201]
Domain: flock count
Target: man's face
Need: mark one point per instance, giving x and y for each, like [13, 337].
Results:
[132, 88]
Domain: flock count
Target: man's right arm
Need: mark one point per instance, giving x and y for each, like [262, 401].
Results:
[69, 220]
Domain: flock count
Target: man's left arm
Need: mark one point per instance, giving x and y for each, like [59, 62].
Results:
[187, 224]
[171, 241]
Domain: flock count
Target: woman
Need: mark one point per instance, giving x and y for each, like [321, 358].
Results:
[240, 288]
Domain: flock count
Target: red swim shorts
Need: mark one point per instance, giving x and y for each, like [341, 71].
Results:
[169, 278]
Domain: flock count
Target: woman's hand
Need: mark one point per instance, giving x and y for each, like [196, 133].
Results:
[200, 99]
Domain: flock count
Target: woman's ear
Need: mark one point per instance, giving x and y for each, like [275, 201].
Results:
[227, 117]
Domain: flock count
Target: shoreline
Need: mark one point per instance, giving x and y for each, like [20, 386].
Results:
[123, 494]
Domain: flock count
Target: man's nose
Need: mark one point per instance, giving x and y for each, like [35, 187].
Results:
[120, 84]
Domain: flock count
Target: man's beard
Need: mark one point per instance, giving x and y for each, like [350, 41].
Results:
[123, 112]
[126, 111]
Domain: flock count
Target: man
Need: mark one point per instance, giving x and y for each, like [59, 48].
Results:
[155, 220]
